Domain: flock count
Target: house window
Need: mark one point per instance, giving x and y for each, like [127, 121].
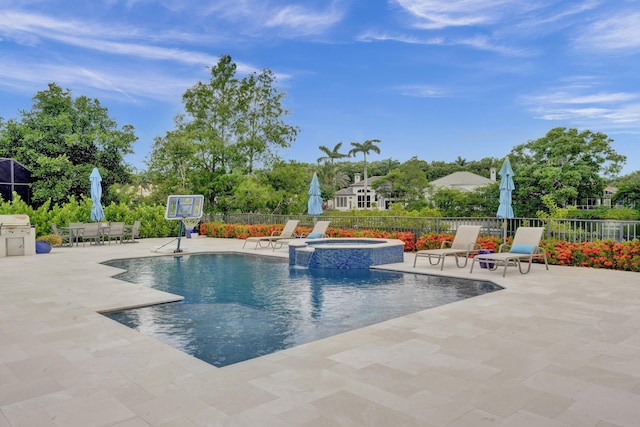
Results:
[341, 202]
[364, 201]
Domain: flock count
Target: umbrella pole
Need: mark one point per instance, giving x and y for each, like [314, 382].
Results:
[504, 231]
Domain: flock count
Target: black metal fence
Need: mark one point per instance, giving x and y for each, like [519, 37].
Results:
[570, 230]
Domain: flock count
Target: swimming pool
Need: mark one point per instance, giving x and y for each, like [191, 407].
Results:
[238, 307]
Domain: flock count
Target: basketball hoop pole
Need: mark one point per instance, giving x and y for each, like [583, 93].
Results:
[178, 250]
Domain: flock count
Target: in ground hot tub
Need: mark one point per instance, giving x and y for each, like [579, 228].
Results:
[343, 253]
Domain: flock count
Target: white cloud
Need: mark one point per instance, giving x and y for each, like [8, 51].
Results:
[422, 91]
[304, 21]
[293, 20]
[616, 33]
[596, 98]
[370, 36]
[478, 42]
[437, 14]
[127, 85]
[601, 109]
[33, 30]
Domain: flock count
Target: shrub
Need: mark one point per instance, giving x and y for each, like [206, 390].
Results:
[52, 239]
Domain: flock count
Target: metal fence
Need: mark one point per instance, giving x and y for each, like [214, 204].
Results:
[570, 230]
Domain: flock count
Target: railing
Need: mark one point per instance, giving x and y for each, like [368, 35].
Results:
[571, 230]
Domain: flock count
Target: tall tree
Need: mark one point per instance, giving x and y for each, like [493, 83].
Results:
[232, 123]
[404, 184]
[61, 139]
[262, 129]
[566, 164]
[329, 171]
[331, 155]
[628, 193]
[365, 148]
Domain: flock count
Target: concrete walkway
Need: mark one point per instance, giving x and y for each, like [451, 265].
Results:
[555, 348]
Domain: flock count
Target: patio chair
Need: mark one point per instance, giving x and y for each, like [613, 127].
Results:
[75, 230]
[65, 235]
[131, 232]
[288, 232]
[462, 247]
[92, 231]
[525, 248]
[115, 231]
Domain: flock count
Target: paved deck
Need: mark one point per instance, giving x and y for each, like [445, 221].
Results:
[555, 348]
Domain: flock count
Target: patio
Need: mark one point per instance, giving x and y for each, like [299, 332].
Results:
[555, 348]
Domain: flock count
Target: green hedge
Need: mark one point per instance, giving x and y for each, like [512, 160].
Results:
[152, 217]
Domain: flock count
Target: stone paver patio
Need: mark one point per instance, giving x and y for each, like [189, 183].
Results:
[555, 348]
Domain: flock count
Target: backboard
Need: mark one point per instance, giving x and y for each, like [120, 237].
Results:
[180, 206]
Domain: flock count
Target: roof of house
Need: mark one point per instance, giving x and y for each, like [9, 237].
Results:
[458, 179]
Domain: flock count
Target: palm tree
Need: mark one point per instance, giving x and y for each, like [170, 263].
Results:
[460, 161]
[365, 148]
[331, 155]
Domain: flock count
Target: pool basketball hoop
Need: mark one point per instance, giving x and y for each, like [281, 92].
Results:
[185, 208]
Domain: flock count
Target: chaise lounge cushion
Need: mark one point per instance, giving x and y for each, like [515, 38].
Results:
[522, 249]
[314, 235]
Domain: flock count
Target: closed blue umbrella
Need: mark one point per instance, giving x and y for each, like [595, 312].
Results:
[97, 214]
[314, 205]
[505, 210]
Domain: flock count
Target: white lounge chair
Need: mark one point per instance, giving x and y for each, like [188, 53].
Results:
[462, 247]
[288, 232]
[525, 248]
[319, 230]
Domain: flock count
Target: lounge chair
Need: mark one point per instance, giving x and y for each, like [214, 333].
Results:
[319, 230]
[525, 248]
[288, 232]
[462, 247]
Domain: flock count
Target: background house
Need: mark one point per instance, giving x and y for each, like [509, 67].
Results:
[353, 196]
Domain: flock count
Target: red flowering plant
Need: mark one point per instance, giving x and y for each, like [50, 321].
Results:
[432, 240]
[242, 231]
[597, 254]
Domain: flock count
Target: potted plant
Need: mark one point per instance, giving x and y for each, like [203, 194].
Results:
[46, 242]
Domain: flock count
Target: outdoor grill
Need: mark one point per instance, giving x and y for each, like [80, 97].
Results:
[17, 237]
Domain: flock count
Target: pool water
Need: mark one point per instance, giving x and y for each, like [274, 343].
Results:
[238, 307]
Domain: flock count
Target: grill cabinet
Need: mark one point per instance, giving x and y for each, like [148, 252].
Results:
[17, 237]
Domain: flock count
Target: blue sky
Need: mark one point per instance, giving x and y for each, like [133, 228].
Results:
[436, 79]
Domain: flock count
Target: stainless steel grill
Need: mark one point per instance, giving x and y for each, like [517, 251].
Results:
[17, 237]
